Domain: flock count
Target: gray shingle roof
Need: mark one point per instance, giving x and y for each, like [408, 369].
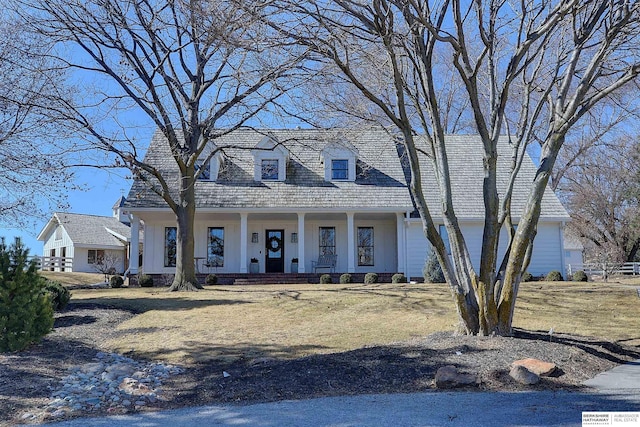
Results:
[465, 156]
[92, 229]
[380, 181]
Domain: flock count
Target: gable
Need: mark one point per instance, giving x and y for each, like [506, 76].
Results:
[88, 230]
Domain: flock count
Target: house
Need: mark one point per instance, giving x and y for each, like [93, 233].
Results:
[281, 195]
[86, 243]
[573, 253]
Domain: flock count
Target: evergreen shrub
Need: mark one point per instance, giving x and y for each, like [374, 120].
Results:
[432, 272]
[554, 276]
[116, 281]
[345, 278]
[371, 278]
[398, 278]
[58, 294]
[580, 276]
[26, 312]
[145, 281]
[527, 277]
[325, 279]
[211, 279]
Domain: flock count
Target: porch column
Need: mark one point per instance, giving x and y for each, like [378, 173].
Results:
[351, 244]
[301, 259]
[401, 243]
[134, 245]
[243, 242]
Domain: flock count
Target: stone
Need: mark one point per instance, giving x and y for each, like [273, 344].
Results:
[134, 387]
[538, 367]
[523, 375]
[449, 377]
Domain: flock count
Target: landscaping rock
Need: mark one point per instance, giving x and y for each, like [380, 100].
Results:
[523, 375]
[449, 377]
[538, 367]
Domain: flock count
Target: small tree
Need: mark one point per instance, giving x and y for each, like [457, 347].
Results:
[432, 271]
[26, 312]
[107, 265]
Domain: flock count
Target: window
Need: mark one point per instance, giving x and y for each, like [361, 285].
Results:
[170, 246]
[445, 238]
[340, 169]
[270, 169]
[59, 233]
[327, 240]
[205, 174]
[215, 247]
[365, 245]
[95, 256]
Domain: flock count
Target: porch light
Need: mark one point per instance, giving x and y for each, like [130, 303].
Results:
[254, 237]
[294, 237]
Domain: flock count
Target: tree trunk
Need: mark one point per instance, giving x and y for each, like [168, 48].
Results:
[185, 278]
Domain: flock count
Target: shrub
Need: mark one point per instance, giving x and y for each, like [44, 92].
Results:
[345, 278]
[58, 294]
[116, 281]
[325, 279]
[432, 271]
[398, 278]
[26, 312]
[580, 276]
[527, 277]
[145, 281]
[371, 278]
[211, 279]
[554, 276]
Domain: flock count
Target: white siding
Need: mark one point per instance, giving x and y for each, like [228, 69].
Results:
[547, 250]
[57, 244]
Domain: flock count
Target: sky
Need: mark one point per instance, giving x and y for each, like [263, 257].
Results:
[103, 190]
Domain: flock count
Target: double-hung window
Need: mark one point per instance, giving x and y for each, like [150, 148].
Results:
[340, 169]
[95, 256]
[269, 169]
[365, 246]
[327, 240]
[170, 234]
[215, 247]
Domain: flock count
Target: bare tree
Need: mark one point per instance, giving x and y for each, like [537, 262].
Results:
[197, 69]
[107, 264]
[522, 66]
[33, 152]
[603, 196]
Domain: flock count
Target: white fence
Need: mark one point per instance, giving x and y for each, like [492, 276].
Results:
[53, 263]
[602, 269]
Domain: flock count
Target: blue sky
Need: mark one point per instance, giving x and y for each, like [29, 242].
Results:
[103, 190]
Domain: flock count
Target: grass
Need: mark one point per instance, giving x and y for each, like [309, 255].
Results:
[73, 279]
[297, 320]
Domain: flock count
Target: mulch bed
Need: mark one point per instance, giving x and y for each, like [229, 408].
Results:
[29, 377]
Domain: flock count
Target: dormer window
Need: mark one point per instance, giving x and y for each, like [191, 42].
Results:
[270, 161]
[340, 169]
[269, 169]
[339, 160]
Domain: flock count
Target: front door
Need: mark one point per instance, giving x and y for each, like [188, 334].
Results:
[274, 251]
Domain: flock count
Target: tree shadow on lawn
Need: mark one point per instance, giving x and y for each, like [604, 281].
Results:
[141, 305]
[602, 349]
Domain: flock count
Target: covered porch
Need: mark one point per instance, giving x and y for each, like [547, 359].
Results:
[260, 242]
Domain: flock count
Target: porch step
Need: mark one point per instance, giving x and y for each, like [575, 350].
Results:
[271, 278]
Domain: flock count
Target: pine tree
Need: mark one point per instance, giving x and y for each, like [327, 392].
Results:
[26, 313]
[432, 271]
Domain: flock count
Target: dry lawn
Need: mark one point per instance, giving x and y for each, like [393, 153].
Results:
[288, 321]
[74, 279]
